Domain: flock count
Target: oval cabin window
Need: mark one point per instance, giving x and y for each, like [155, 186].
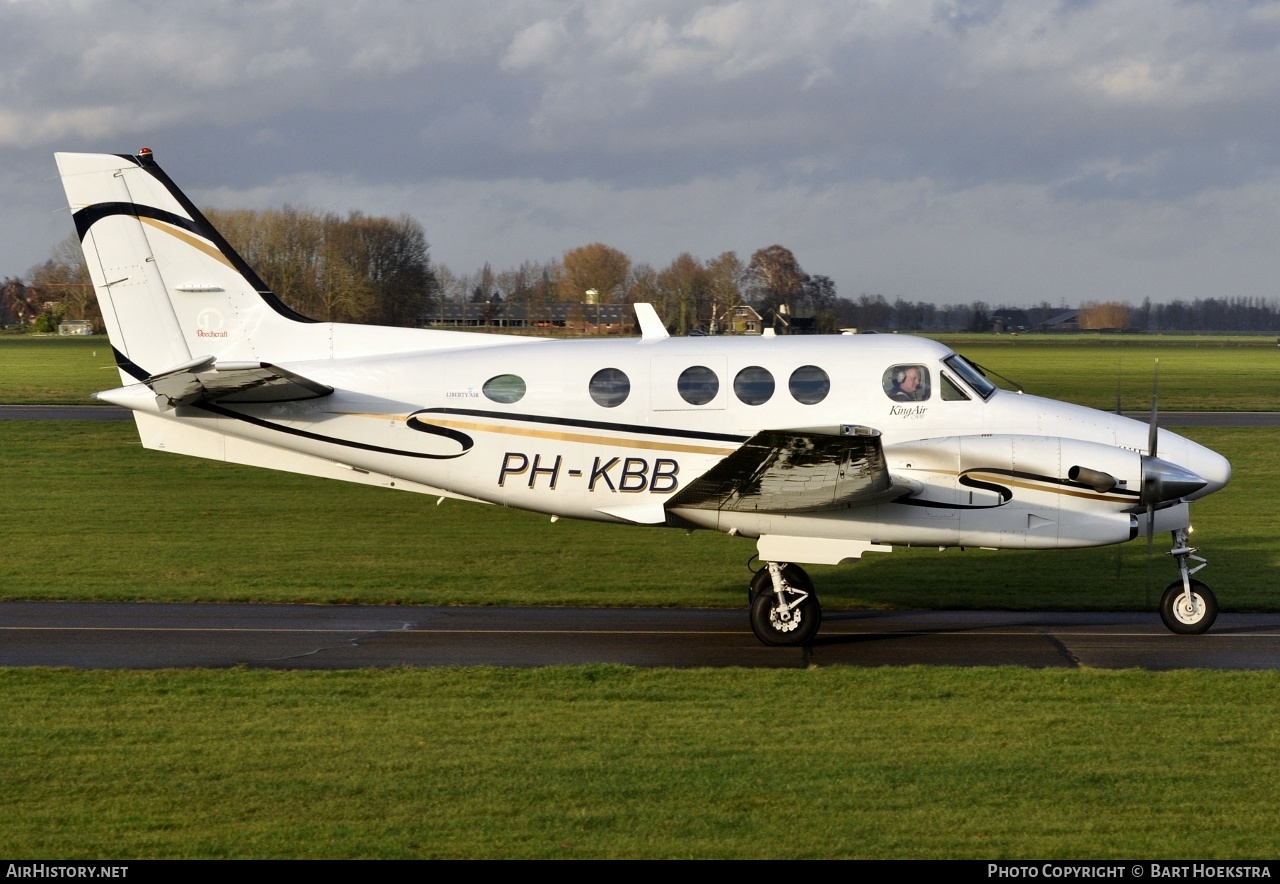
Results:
[505, 388]
[609, 387]
[809, 384]
[754, 385]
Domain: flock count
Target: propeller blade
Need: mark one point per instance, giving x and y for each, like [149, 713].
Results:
[1154, 432]
[1117, 386]
[1151, 533]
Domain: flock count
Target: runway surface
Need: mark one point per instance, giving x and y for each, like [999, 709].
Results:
[151, 635]
[1167, 418]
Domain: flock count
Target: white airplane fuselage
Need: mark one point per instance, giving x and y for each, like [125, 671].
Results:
[558, 452]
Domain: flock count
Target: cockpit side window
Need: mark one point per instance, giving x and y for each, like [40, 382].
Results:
[906, 383]
[970, 375]
[951, 391]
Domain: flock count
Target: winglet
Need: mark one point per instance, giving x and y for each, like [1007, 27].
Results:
[650, 325]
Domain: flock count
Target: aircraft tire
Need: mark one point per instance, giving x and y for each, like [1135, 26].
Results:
[1178, 618]
[799, 629]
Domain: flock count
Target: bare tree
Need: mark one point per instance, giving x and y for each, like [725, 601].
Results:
[726, 276]
[776, 279]
[594, 266]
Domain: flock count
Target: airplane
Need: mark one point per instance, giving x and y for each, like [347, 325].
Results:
[819, 448]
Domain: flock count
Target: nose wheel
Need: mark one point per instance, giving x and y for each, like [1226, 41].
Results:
[1188, 614]
[1188, 606]
[784, 608]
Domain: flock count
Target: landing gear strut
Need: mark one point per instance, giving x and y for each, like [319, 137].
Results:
[784, 608]
[1188, 607]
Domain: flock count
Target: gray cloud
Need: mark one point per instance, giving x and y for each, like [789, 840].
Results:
[940, 150]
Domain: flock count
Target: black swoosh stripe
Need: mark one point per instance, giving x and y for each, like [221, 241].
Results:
[585, 424]
[362, 446]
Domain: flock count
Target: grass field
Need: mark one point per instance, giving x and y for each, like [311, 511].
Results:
[54, 370]
[610, 762]
[607, 761]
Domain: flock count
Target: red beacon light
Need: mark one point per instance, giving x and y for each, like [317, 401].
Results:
[145, 155]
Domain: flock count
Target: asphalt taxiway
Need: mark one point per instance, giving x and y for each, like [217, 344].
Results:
[106, 635]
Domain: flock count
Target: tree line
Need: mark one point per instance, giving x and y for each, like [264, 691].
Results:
[688, 293]
[378, 270]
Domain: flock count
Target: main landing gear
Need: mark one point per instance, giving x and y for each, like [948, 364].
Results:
[1188, 607]
[784, 608]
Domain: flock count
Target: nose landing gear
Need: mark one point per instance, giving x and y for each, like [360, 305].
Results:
[1188, 607]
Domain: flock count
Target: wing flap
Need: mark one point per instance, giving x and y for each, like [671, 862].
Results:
[205, 380]
[796, 471]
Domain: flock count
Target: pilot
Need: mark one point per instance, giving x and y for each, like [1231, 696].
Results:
[908, 388]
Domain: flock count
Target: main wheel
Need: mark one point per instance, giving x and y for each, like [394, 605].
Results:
[1177, 614]
[793, 627]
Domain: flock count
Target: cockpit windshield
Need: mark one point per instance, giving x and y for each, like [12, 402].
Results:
[971, 375]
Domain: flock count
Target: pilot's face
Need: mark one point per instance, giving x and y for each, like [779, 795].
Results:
[911, 380]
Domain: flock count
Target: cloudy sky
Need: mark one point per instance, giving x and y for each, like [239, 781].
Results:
[941, 150]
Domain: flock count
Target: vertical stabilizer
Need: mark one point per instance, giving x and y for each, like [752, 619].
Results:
[170, 287]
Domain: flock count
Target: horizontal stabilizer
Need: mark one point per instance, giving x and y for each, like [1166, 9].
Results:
[204, 380]
[791, 471]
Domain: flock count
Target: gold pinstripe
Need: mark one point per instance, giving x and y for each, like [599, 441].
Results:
[187, 238]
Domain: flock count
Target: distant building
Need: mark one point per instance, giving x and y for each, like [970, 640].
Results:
[584, 319]
[742, 320]
[75, 327]
[1009, 321]
[1068, 321]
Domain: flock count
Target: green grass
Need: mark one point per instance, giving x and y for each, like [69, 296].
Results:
[612, 762]
[88, 514]
[55, 370]
[605, 762]
[1202, 375]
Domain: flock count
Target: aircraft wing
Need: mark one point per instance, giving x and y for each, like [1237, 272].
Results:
[206, 380]
[796, 471]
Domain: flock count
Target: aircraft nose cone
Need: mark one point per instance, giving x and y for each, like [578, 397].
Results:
[1164, 481]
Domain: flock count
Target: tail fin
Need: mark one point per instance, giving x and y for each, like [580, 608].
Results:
[170, 287]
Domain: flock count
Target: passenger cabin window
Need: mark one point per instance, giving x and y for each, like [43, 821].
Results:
[809, 384]
[698, 385]
[754, 385]
[906, 383]
[609, 387]
[505, 388]
[951, 391]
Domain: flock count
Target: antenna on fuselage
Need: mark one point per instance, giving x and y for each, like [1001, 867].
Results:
[985, 371]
